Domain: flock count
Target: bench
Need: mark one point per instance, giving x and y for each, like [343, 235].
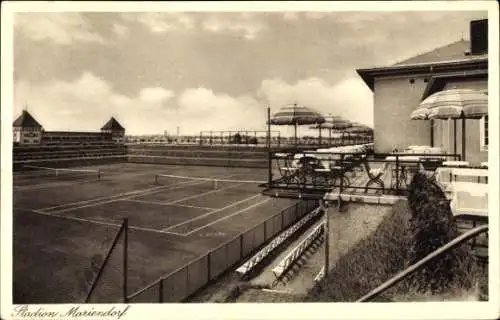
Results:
[293, 255]
[256, 259]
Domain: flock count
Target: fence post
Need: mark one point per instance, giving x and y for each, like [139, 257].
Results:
[342, 172]
[241, 246]
[160, 295]
[265, 230]
[327, 241]
[397, 174]
[282, 220]
[125, 259]
[208, 265]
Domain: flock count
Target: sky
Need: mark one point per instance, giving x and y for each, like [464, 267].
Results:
[156, 71]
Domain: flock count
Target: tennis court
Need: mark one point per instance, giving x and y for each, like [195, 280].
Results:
[63, 219]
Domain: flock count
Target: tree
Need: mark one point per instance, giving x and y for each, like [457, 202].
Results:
[236, 139]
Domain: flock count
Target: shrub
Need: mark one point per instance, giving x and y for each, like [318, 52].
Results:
[431, 226]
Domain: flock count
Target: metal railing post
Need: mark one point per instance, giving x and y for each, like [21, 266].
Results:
[125, 259]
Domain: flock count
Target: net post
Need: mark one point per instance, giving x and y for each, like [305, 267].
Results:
[125, 259]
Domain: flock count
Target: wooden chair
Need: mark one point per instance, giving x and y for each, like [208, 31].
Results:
[375, 175]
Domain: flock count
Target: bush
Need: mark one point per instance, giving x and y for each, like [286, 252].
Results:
[431, 226]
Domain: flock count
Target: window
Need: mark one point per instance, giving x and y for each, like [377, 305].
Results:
[484, 133]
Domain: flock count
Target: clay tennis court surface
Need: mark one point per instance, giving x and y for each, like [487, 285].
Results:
[61, 222]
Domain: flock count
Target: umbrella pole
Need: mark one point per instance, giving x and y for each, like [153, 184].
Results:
[320, 135]
[330, 137]
[295, 133]
[463, 139]
[455, 134]
[269, 158]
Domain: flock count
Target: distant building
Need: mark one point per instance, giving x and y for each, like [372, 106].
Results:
[28, 131]
[398, 90]
[115, 129]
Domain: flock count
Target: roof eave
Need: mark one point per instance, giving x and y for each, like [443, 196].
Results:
[369, 74]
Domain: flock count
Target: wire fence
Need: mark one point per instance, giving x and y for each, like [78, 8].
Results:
[188, 279]
[104, 287]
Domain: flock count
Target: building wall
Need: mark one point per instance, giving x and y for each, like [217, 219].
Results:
[28, 137]
[394, 101]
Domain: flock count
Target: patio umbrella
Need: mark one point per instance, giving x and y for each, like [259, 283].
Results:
[296, 115]
[359, 129]
[321, 126]
[455, 104]
[340, 124]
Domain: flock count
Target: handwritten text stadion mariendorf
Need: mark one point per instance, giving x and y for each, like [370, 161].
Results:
[74, 312]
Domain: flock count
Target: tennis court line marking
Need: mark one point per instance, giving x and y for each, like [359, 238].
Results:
[172, 187]
[226, 217]
[105, 223]
[167, 204]
[50, 185]
[194, 196]
[106, 199]
[124, 194]
[212, 212]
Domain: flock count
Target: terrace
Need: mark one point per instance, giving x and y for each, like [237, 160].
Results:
[356, 174]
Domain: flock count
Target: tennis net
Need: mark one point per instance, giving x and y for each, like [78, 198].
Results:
[203, 184]
[60, 173]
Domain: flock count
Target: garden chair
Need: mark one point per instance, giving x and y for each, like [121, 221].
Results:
[374, 175]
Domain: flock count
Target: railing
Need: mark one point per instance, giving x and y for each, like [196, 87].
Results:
[326, 171]
[188, 279]
[238, 137]
[296, 252]
[420, 264]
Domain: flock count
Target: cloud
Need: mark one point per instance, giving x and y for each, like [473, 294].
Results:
[62, 28]
[245, 24]
[291, 15]
[120, 30]
[202, 109]
[161, 22]
[88, 101]
[155, 95]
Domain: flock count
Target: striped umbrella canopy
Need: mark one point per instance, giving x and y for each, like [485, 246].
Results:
[296, 115]
[454, 104]
[359, 128]
[340, 123]
[420, 114]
